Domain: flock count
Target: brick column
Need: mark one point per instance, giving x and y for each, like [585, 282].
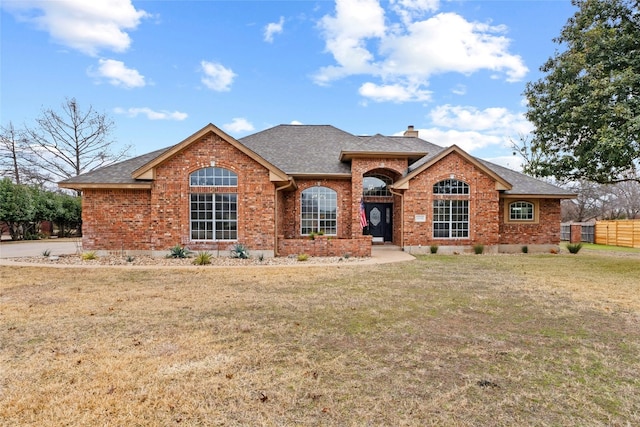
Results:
[576, 233]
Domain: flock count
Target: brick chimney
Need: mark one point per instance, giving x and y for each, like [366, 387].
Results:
[411, 132]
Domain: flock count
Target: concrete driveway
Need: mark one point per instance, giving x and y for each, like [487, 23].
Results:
[9, 249]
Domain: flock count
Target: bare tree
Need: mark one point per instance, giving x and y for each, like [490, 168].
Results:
[10, 147]
[627, 199]
[72, 142]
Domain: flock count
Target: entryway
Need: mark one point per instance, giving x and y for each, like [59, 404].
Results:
[380, 221]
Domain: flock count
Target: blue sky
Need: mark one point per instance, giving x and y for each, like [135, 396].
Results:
[162, 70]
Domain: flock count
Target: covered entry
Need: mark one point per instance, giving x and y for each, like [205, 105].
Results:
[378, 206]
[380, 221]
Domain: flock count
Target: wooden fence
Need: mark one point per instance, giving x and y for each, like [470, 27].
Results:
[618, 233]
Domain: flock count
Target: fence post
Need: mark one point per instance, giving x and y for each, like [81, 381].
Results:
[576, 233]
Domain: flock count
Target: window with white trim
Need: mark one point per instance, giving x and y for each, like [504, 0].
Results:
[214, 214]
[521, 211]
[450, 219]
[319, 211]
[451, 215]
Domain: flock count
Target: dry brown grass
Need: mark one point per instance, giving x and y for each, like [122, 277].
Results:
[444, 340]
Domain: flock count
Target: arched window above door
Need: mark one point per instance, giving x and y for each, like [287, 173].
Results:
[376, 185]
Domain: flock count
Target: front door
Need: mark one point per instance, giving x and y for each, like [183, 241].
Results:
[380, 220]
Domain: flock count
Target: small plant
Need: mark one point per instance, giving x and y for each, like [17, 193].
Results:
[346, 256]
[574, 248]
[303, 257]
[46, 252]
[203, 258]
[130, 258]
[261, 257]
[312, 235]
[240, 251]
[89, 255]
[478, 248]
[525, 249]
[433, 249]
[178, 252]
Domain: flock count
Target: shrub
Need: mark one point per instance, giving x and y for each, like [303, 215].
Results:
[433, 249]
[203, 258]
[574, 248]
[130, 258]
[178, 252]
[478, 249]
[525, 249]
[261, 257]
[87, 256]
[240, 251]
[46, 252]
[303, 257]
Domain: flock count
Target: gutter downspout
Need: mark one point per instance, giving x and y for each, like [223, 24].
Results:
[275, 216]
[401, 216]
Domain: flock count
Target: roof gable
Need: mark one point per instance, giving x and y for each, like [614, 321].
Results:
[403, 183]
[147, 170]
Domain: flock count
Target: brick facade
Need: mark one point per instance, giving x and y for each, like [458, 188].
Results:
[269, 214]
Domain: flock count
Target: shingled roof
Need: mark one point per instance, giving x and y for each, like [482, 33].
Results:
[119, 174]
[302, 150]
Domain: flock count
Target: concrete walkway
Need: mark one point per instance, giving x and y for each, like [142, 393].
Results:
[380, 254]
[26, 248]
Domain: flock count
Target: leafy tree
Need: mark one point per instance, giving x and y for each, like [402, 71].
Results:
[23, 208]
[16, 207]
[73, 142]
[586, 109]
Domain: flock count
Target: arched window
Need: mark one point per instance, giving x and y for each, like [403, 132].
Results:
[451, 216]
[213, 177]
[521, 211]
[451, 186]
[319, 211]
[376, 185]
[214, 216]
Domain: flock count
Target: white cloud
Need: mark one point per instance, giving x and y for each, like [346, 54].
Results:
[498, 120]
[151, 114]
[448, 43]
[472, 129]
[238, 125]
[86, 26]
[118, 74]
[295, 122]
[467, 140]
[412, 9]
[510, 162]
[393, 93]
[363, 41]
[459, 89]
[272, 29]
[346, 33]
[216, 76]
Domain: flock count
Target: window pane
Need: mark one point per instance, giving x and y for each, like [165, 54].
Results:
[318, 211]
[218, 177]
[450, 218]
[451, 186]
[214, 216]
[522, 211]
[376, 185]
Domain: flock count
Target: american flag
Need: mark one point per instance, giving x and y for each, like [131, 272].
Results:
[363, 215]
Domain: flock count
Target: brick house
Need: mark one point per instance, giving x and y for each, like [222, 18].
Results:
[318, 190]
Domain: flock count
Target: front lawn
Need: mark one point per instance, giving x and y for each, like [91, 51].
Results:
[464, 340]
